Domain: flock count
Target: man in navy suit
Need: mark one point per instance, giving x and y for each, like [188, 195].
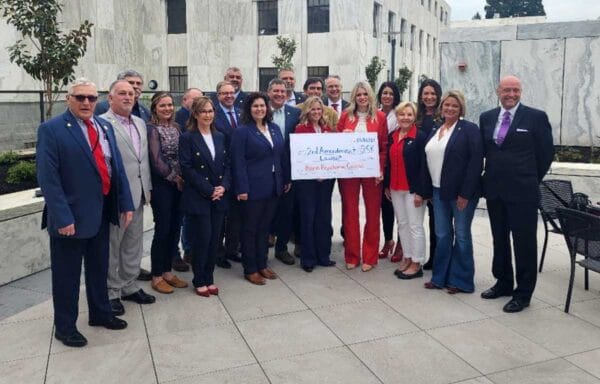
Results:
[293, 97]
[227, 119]
[85, 188]
[518, 152]
[286, 118]
[136, 80]
[183, 114]
[333, 91]
[234, 76]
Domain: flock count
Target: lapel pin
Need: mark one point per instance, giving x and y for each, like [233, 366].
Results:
[197, 153]
[69, 125]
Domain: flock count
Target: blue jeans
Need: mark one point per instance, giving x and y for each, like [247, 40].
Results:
[453, 264]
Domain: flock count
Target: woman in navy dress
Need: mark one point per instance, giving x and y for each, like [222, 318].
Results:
[260, 165]
[205, 167]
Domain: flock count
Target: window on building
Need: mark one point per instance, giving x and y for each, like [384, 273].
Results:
[441, 14]
[434, 48]
[428, 44]
[435, 9]
[423, 2]
[376, 19]
[402, 32]
[421, 40]
[267, 17]
[176, 22]
[429, 5]
[391, 26]
[413, 32]
[178, 79]
[321, 72]
[264, 76]
[318, 16]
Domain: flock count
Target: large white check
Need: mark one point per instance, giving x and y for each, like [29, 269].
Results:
[334, 155]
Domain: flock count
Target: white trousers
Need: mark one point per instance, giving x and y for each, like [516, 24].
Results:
[410, 225]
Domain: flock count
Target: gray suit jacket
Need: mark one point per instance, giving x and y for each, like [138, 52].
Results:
[137, 169]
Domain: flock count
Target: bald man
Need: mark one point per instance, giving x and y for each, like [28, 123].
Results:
[518, 152]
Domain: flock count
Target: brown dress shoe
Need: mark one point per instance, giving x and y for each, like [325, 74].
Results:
[255, 278]
[162, 286]
[176, 282]
[268, 273]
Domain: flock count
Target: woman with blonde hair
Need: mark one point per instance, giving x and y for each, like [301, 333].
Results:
[314, 197]
[362, 116]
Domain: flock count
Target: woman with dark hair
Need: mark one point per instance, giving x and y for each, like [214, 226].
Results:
[454, 160]
[362, 116]
[167, 184]
[314, 197]
[205, 168]
[388, 97]
[260, 175]
[430, 94]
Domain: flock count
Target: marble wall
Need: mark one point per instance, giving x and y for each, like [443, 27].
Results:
[557, 63]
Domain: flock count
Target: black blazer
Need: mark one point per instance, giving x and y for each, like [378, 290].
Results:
[413, 154]
[463, 161]
[514, 170]
[223, 124]
[202, 174]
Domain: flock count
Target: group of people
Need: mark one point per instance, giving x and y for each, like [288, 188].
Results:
[217, 176]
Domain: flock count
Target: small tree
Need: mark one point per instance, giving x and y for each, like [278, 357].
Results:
[57, 52]
[404, 75]
[514, 8]
[372, 70]
[287, 47]
[477, 16]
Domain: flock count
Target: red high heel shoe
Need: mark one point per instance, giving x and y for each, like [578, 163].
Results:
[398, 254]
[387, 249]
[213, 290]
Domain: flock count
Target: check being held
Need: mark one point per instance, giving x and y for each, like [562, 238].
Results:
[334, 155]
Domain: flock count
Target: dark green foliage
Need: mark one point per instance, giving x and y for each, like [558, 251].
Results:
[21, 172]
[372, 70]
[403, 78]
[8, 158]
[514, 8]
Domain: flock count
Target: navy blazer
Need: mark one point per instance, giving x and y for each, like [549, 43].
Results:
[259, 170]
[239, 100]
[514, 170]
[292, 119]
[202, 174]
[70, 180]
[223, 124]
[463, 162]
[413, 153]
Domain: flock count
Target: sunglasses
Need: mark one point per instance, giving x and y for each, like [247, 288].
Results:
[81, 98]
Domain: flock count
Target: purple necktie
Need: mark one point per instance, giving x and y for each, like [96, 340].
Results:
[504, 125]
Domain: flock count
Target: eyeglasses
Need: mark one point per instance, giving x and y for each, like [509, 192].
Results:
[226, 93]
[206, 111]
[81, 98]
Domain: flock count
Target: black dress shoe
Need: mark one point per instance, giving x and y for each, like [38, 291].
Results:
[111, 323]
[75, 339]
[308, 269]
[223, 263]
[179, 265]
[495, 292]
[428, 266]
[329, 263]
[515, 305]
[285, 258]
[139, 297]
[117, 307]
[234, 257]
[405, 276]
[144, 275]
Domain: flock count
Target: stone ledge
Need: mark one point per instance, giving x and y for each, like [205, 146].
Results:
[562, 30]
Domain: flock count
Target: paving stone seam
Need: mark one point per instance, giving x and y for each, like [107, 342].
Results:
[149, 343]
[48, 357]
[245, 341]
[207, 373]
[531, 365]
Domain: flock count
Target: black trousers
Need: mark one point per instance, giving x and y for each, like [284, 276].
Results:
[257, 216]
[518, 219]
[233, 226]
[432, 238]
[167, 226]
[205, 231]
[387, 218]
[283, 222]
[65, 255]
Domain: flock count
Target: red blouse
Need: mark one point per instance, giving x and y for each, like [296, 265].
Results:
[398, 178]
[309, 128]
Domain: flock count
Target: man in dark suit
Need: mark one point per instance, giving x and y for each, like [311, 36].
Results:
[181, 118]
[85, 188]
[313, 86]
[227, 119]
[286, 118]
[137, 82]
[293, 97]
[234, 76]
[518, 152]
[333, 91]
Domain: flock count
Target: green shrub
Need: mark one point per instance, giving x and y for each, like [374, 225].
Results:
[9, 158]
[21, 172]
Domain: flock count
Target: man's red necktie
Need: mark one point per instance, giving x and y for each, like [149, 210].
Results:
[98, 156]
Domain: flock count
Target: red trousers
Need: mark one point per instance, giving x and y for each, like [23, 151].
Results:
[350, 190]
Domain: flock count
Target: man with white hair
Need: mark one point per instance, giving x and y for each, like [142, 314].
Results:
[85, 188]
